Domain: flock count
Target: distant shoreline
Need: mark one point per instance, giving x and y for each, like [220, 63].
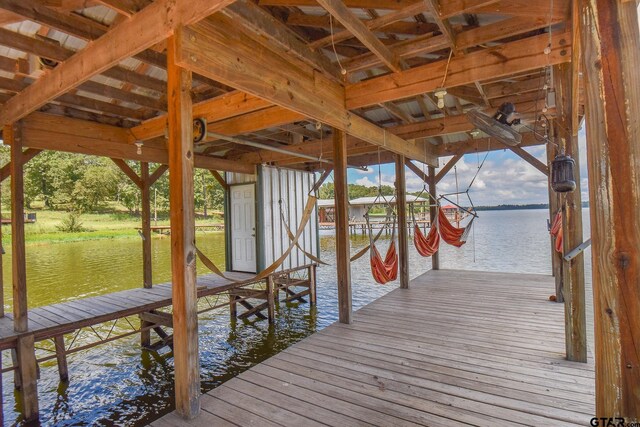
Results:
[519, 207]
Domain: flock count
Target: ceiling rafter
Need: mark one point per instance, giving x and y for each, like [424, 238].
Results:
[149, 26]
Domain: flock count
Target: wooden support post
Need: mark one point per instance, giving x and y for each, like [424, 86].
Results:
[61, 357]
[28, 369]
[271, 304]
[343, 263]
[183, 255]
[12, 135]
[435, 258]
[17, 379]
[572, 271]
[312, 284]
[403, 238]
[147, 271]
[233, 307]
[610, 38]
[554, 204]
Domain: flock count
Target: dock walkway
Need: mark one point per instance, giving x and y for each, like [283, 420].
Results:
[457, 348]
[58, 319]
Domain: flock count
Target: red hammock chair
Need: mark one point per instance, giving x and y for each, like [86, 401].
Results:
[426, 246]
[451, 234]
[386, 270]
[556, 231]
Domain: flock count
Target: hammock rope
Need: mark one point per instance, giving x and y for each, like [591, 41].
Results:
[364, 250]
[306, 215]
[383, 271]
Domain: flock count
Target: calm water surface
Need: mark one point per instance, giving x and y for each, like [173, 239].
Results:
[120, 384]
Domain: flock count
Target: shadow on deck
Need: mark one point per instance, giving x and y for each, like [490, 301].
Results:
[457, 348]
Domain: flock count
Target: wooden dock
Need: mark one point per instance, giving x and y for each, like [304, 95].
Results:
[58, 319]
[456, 348]
[145, 309]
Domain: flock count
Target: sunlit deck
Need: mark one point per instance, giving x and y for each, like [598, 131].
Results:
[58, 319]
[456, 348]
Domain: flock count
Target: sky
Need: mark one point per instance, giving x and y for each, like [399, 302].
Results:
[503, 179]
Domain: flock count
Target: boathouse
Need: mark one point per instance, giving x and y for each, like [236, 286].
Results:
[272, 96]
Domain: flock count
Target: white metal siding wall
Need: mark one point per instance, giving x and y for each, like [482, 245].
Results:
[239, 178]
[292, 188]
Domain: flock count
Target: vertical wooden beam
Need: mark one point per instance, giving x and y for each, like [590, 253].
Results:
[435, 258]
[343, 265]
[611, 53]
[183, 258]
[271, 303]
[233, 307]
[554, 204]
[147, 271]
[12, 135]
[28, 370]
[572, 271]
[61, 357]
[312, 284]
[401, 207]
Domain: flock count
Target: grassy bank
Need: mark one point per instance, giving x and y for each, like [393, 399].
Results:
[111, 225]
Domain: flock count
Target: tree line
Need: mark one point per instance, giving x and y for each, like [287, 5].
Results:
[355, 191]
[89, 184]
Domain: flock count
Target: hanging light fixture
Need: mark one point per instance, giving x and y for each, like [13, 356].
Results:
[139, 145]
[440, 93]
[562, 177]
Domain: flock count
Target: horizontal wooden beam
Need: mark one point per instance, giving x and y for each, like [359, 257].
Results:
[235, 55]
[393, 17]
[222, 107]
[265, 24]
[398, 27]
[482, 145]
[146, 28]
[351, 22]
[320, 148]
[49, 132]
[503, 60]
[51, 50]
[358, 4]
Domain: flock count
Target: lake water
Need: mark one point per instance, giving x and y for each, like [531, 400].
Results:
[119, 384]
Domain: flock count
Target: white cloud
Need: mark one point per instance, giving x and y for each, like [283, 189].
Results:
[504, 178]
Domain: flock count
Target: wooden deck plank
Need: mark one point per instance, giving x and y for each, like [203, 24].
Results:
[65, 317]
[456, 348]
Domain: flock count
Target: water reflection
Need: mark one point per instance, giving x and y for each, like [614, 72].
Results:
[121, 384]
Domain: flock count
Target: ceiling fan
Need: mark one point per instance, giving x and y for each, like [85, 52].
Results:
[499, 126]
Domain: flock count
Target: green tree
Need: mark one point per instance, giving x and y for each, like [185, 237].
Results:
[98, 184]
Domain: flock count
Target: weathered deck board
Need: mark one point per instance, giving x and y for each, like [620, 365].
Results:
[456, 348]
[56, 319]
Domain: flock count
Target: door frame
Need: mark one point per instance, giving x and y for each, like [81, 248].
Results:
[228, 225]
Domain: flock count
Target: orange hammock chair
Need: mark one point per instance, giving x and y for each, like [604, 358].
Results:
[383, 271]
[556, 231]
[450, 233]
[429, 244]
